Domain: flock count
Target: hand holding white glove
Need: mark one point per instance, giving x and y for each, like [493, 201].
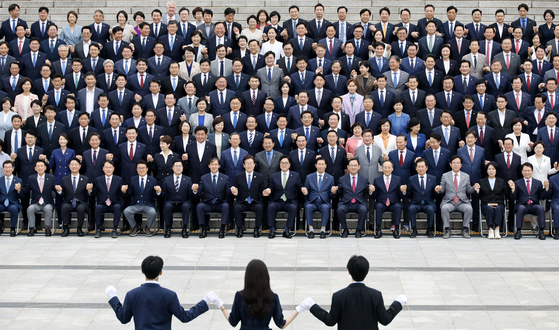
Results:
[305, 305]
[110, 291]
[212, 298]
[402, 299]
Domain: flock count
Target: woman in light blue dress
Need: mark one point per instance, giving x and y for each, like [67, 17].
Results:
[71, 33]
[398, 119]
[6, 116]
[60, 162]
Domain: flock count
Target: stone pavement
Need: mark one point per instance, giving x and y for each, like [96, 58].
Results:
[58, 283]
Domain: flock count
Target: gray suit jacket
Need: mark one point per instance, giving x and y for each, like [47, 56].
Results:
[464, 188]
[270, 87]
[369, 169]
[202, 27]
[402, 80]
[82, 97]
[481, 64]
[553, 44]
[78, 50]
[227, 67]
[208, 120]
[514, 64]
[224, 140]
[182, 104]
[549, 74]
[262, 166]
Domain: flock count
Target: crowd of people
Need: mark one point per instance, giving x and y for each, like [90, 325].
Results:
[297, 116]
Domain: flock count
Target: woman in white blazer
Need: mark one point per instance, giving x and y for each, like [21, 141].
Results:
[197, 117]
[385, 140]
[189, 67]
[6, 116]
[522, 143]
[542, 163]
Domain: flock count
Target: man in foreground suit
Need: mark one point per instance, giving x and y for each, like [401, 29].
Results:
[357, 306]
[40, 187]
[108, 192]
[153, 306]
[214, 188]
[318, 195]
[177, 190]
[421, 192]
[10, 194]
[75, 192]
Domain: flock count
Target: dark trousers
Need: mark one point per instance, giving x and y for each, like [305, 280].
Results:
[555, 213]
[475, 207]
[13, 213]
[241, 207]
[429, 209]
[115, 209]
[289, 207]
[493, 215]
[58, 205]
[171, 207]
[395, 208]
[81, 209]
[535, 209]
[194, 201]
[439, 218]
[92, 210]
[510, 217]
[203, 208]
[320, 206]
[361, 210]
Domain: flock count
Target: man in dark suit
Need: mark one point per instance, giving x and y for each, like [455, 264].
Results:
[413, 97]
[152, 305]
[251, 140]
[220, 98]
[267, 160]
[139, 83]
[177, 190]
[75, 81]
[421, 193]
[75, 192]
[99, 30]
[170, 117]
[430, 80]
[129, 153]
[311, 132]
[5, 59]
[302, 158]
[39, 28]
[290, 25]
[26, 157]
[15, 138]
[527, 24]
[335, 82]
[430, 117]
[497, 82]
[349, 62]
[254, 61]
[379, 63]
[249, 189]
[530, 80]
[39, 188]
[369, 118]
[363, 305]
[318, 195]
[517, 99]
[79, 136]
[214, 189]
[158, 28]
[10, 24]
[282, 135]
[335, 156]
[253, 99]
[267, 121]
[45, 81]
[283, 190]
[150, 134]
[173, 39]
[120, 99]
[459, 45]
[143, 45]
[421, 28]
[173, 83]
[332, 46]
[486, 136]
[287, 62]
[20, 44]
[343, 28]
[430, 43]
[49, 131]
[387, 193]
[205, 80]
[400, 47]
[412, 64]
[108, 191]
[235, 120]
[81, 49]
[332, 124]
[12, 83]
[534, 116]
[11, 191]
[142, 190]
[32, 62]
[482, 100]
[218, 38]
[509, 170]
[113, 136]
[353, 191]
[548, 135]
[447, 98]
[158, 65]
[465, 119]
[501, 127]
[450, 134]
[50, 45]
[196, 162]
[100, 116]
[238, 81]
[320, 61]
[56, 96]
[302, 45]
[527, 193]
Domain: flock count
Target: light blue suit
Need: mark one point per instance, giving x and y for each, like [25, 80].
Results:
[318, 198]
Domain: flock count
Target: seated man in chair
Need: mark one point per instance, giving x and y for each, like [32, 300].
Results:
[177, 189]
[213, 190]
[387, 192]
[318, 193]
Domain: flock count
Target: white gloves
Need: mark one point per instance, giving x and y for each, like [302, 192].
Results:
[212, 298]
[402, 299]
[305, 305]
[110, 291]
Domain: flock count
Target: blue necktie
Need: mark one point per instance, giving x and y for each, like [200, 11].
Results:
[221, 101]
[422, 185]
[177, 185]
[170, 114]
[34, 59]
[395, 79]
[43, 30]
[269, 158]
[481, 101]
[281, 139]
[50, 131]
[235, 120]
[382, 98]
[214, 182]
[103, 117]
[319, 181]
[46, 88]
[379, 64]
[448, 99]
[116, 48]
[446, 135]
[57, 96]
[184, 30]
[16, 142]
[143, 43]
[270, 74]
[74, 199]
[368, 118]
[14, 83]
[14, 26]
[332, 155]
[250, 139]
[126, 67]
[368, 154]
[497, 83]
[237, 80]
[268, 121]
[174, 84]
[307, 134]
[301, 158]
[301, 43]
[142, 188]
[235, 159]
[7, 202]
[30, 154]
[120, 97]
[402, 48]
[430, 79]
[115, 137]
[172, 42]
[249, 199]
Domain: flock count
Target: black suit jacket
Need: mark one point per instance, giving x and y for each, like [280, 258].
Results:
[167, 87]
[411, 108]
[80, 194]
[30, 124]
[436, 86]
[282, 63]
[25, 167]
[257, 185]
[152, 147]
[114, 193]
[76, 143]
[325, 105]
[102, 83]
[528, 32]
[163, 121]
[256, 142]
[202, 91]
[243, 83]
[495, 195]
[143, 52]
[93, 171]
[49, 145]
[32, 189]
[357, 307]
[308, 162]
[197, 168]
[336, 169]
[124, 108]
[108, 142]
[460, 121]
[513, 173]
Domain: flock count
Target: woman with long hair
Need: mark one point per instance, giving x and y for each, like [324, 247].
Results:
[257, 304]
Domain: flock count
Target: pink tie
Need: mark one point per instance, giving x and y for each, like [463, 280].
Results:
[508, 161]
[551, 101]
[108, 201]
[20, 45]
[539, 116]
[518, 101]
[459, 45]
[508, 63]
[387, 188]
[41, 189]
[472, 154]
[468, 119]
[330, 48]
[456, 187]
[528, 189]
[517, 46]
[551, 136]
[353, 187]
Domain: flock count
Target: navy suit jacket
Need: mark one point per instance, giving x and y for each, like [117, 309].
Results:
[346, 69]
[109, 52]
[189, 29]
[108, 142]
[490, 143]
[256, 142]
[25, 167]
[324, 191]
[103, 36]
[416, 195]
[127, 166]
[70, 85]
[14, 48]
[159, 71]
[423, 116]
[475, 168]
[299, 85]
[396, 48]
[461, 124]
[504, 84]
[525, 101]
[419, 65]
[32, 189]
[373, 123]
[36, 29]
[262, 127]
[314, 133]
[546, 66]
[119, 67]
[171, 195]
[207, 192]
[375, 70]
[411, 108]
[256, 188]
[97, 120]
[459, 85]
[202, 91]
[447, 33]
[143, 52]
[147, 102]
[114, 193]
[435, 87]
[528, 115]
[57, 67]
[94, 171]
[27, 68]
[551, 149]
[102, 83]
[243, 83]
[163, 121]
[5, 71]
[521, 196]
[453, 139]
[87, 65]
[177, 52]
[513, 173]
[6, 29]
[455, 101]
[464, 49]
[197, 168]
[135, 192]
[337, 168]
[326, 65]
[217, 109]
[314, 33]
[249, 70]
[152, 147]
[45, 48]
[285, 149]
[133, 84]
[339, 89]
[534, 82]
[307, 49]
[406, 171]
[292, 187]
[248, 107]
[8, 136]
[393, 193]
[308, 162]
[12, 195]
[228, 124]
[124, 108]
[488, 103]
[346, 193]
[211, 43]
[228, 165]
[383, 109]
[424, 47]
[76, 143]
[153, 306]
[442, 165]
[49, 145]
[336, 48]
[523, 51]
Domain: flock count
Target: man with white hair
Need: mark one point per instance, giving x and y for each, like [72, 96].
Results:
[171, 12]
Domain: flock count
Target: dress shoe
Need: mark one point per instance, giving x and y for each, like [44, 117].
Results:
[430, 233]
[149, 232]
[310, 234]
[446, 234]
[466, 233]
[322, 234]
[286, 234]
[203, 232]
[38, 227]
[102, 228]
[556, 234]
[184, 233]
[518, 234]
[134, 231]
[358, 233]
[378, 233]
[114, 233]
[413, 233]
[239, 233]
[12, 232]
[541, 235]
[48, 232]
[97, 233]
[91, 228]
[272, 234]
[31, 232]
[65, 232]
[396, 233]
[222, 231]
[535, 229]
[257, 232]
[167, 233]
[80, 232]
[345, 233]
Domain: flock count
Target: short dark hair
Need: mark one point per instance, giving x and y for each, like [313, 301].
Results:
[152, 266]
[358, 267]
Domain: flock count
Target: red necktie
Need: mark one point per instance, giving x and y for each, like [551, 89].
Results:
[508, 161]
[508, 63]
[539, 116]
[528, 189]
[557, 74]
[481, 136]
[472, 155]
[141, 81]
[551, 136]
[551, 101]
[468, 119]
[456, 187]
[517, 46]
[528, 82]
[330, 48]
[353, 187]
[131, 151]
[401, 159]
[387, 188]
[518, 101]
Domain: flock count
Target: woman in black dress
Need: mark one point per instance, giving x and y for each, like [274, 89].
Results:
[257, 304]
[492, 192]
